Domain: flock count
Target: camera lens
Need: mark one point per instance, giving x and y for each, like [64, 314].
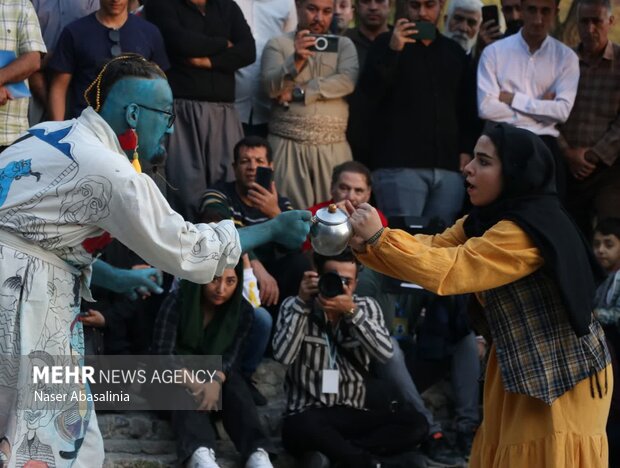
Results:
[321, 43]
[330, 285]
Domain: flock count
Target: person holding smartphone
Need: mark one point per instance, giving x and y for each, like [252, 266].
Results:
[417, 91]
[254, 199]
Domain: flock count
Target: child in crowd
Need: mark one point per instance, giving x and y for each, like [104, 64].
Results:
[607, 309]
[548, 384]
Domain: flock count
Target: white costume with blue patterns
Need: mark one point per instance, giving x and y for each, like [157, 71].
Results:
[65, 187]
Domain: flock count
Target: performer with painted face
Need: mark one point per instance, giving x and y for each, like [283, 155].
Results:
[548, 384]
[66, 189]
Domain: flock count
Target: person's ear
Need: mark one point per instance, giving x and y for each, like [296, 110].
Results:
[132, 114]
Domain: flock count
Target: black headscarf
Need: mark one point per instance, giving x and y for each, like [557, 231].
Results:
[530, 200]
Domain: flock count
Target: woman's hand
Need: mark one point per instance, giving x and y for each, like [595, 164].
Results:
[207, 395]
[364, 219]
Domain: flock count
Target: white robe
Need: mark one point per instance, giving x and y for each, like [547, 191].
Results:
[63, 188]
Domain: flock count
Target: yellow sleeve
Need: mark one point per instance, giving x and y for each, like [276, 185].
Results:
[451, 237]
[442, 265]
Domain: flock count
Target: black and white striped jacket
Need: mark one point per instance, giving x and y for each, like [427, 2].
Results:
[302, 344]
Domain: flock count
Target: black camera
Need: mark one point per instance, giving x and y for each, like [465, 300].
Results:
[324, 43]
[330, 284]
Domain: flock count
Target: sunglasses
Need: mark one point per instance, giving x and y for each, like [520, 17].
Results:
[171, 116]
[115, 36]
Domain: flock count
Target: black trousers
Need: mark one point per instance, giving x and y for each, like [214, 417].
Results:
[195, 429]
[351, 436]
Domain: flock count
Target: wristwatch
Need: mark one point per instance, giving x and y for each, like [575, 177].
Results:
[351, 312]
[298, 94]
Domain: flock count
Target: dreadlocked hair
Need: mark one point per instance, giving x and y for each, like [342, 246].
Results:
[123, 66]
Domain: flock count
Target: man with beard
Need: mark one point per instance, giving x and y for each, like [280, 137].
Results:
[511, 9]
[307, 128]
[462, 22]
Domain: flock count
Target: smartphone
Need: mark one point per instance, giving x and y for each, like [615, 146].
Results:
[264, 177]
[426, 31]
[324, 43]
[490, 12]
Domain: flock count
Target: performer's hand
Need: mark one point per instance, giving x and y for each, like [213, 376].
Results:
[291, 228]
[141, 282]
[364, 219]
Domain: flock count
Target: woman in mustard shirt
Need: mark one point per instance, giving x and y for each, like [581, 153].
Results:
[548, 383]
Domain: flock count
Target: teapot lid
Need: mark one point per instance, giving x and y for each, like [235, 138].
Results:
[331, 215]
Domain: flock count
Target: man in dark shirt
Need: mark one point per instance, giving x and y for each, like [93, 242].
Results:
[207, 42]
[278, 271]
[419, 102]
[372, 20]
[86, 44]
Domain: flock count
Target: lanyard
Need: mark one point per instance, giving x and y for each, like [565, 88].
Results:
[332, 352]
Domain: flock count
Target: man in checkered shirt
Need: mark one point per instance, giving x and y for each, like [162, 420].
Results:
[590, 138]
[19, 33]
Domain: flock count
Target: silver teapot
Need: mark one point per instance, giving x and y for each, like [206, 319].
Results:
[331, 231]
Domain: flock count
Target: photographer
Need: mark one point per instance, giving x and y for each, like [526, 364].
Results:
[327, 336]
[308, 75]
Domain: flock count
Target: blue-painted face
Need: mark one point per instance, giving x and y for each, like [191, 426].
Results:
[145, 105]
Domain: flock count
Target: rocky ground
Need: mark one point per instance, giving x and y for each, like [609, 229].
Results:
[144, 440]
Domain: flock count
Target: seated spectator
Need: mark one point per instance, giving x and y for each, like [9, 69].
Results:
[277, 270]
[350, 181]
[111, 31]
[260, 332]
[328, 343]
[607, 310]
[212, 319]
[443, 345]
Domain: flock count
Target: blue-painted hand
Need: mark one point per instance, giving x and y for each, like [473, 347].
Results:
[291, 228]
[140, 282]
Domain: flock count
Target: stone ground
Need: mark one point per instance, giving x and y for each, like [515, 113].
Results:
[143, 440]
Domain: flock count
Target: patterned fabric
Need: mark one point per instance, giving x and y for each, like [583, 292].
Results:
[300, 343]
[538, 351]
[19, 33]
[539, 354]
[594, 121]
[167, 322]
[61, 188]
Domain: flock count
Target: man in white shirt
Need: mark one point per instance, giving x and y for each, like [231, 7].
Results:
[267, 19]
[530, 79]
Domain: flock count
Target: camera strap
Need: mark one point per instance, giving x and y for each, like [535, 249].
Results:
[338, 348]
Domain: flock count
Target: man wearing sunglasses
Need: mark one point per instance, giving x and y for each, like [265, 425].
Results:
[86, 44]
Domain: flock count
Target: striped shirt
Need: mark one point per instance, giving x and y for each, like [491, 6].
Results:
[302, 345]
[594, 121]
[19, 33]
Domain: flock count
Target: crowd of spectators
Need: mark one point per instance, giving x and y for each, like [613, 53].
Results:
[331, 101]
